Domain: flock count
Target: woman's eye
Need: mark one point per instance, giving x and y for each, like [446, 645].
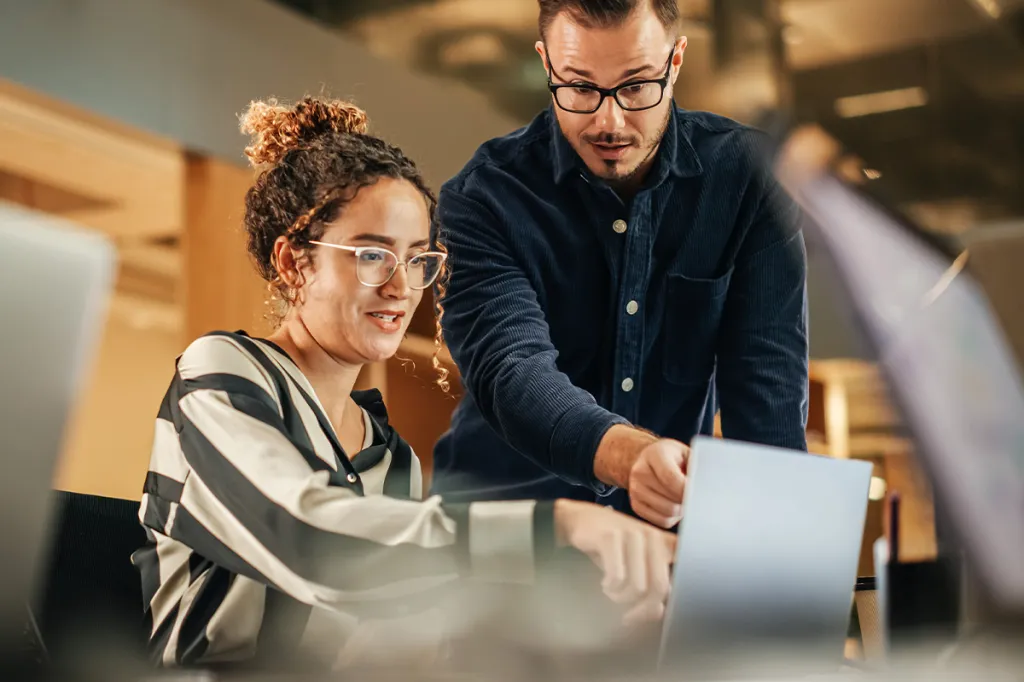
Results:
[370, 257]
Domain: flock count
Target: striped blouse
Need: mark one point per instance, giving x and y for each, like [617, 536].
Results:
[263, 533]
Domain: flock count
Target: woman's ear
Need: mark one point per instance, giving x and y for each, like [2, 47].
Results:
[289, 262]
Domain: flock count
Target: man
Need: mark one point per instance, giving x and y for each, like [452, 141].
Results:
[614, 264]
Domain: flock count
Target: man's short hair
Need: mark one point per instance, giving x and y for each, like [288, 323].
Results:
[604, 13]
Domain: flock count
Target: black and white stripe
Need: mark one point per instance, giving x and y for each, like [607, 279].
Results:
[256, 516]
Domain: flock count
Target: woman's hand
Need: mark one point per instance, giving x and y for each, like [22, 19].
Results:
[633, 556]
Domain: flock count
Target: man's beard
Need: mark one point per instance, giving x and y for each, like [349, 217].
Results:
[613, 172]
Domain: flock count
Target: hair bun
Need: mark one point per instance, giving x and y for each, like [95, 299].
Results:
[276, 130]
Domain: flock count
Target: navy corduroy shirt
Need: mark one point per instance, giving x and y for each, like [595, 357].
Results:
[569, 310]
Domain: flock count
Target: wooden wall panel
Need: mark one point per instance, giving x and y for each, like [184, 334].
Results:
[221, 287]
[108, 441]
[416, 405]
[132, 181]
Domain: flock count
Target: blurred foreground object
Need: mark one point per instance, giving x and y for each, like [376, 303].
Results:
[944, 356]
[56, 280]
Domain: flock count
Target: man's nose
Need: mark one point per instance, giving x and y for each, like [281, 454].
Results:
[610, 116]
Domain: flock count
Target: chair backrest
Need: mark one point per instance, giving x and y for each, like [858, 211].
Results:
[89, 600]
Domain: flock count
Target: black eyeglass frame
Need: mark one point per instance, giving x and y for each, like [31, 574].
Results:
[608, 92]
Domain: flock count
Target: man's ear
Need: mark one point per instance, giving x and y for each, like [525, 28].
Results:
[677, 57]
[539, 46]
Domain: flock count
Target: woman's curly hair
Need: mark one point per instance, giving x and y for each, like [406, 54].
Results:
[312, 159]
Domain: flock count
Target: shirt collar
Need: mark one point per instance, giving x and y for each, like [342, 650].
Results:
[565, 157]
[676, 155]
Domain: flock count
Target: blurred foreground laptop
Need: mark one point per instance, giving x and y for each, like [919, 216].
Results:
[766, 562]
[950, 369]
[55, 280]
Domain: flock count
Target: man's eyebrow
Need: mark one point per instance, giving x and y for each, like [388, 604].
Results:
[582, 73]
[627, 74]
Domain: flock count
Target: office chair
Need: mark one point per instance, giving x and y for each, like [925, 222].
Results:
[90, 595]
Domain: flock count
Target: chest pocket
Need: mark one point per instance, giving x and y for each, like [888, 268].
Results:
[693, 313]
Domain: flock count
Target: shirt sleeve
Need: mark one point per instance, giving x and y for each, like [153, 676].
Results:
[252, 502]
[499, 338]
[762, 374]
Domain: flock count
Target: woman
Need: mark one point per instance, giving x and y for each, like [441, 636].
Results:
[277, 496]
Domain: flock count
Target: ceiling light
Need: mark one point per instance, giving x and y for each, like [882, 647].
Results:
[872, 173]
[989, 7]
[881, 102]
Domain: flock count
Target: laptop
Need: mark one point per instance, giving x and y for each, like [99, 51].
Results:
[55, 280]
[950, 369]
[766, 561]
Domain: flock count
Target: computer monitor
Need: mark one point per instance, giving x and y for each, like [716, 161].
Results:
[948, 365]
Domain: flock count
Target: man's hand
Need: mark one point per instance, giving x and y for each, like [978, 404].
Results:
[657, 481]
[651, 469]
[633, 556]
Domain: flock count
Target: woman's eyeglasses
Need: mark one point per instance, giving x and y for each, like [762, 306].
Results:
[375, 265]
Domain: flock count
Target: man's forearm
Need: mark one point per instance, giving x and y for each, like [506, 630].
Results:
[618, 451]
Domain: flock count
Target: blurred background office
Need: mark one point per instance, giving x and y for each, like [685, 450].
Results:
[122, 117]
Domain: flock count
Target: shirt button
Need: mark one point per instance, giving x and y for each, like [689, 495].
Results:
[632, 307]
[351, 478]
[627, 384]
[619, 226]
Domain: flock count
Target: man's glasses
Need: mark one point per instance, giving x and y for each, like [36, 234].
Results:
[635, 95]
[375, 265]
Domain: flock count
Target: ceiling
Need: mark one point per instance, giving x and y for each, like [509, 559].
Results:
[945, 141]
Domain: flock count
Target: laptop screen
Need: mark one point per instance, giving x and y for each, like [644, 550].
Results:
[949, 367]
